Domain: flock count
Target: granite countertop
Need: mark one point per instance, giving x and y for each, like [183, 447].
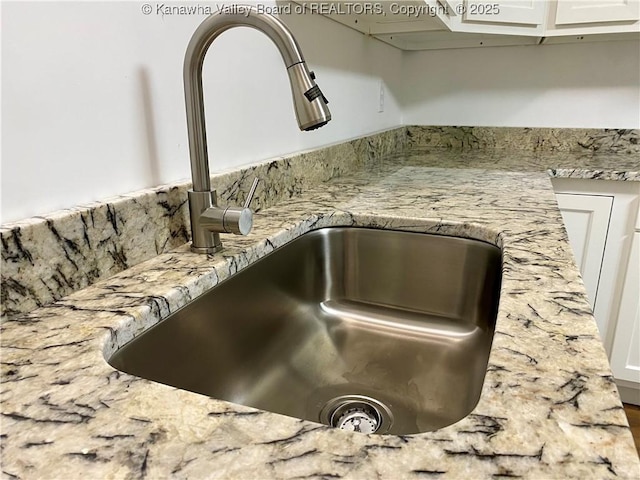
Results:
[549, 407]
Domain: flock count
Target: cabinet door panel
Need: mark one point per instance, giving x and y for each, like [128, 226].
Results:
[525, 12]
[593, 11]
[586, 218]
[625, 356]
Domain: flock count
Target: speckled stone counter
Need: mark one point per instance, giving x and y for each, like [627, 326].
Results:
[549, 407]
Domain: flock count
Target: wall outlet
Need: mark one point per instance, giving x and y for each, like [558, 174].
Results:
[381, 98]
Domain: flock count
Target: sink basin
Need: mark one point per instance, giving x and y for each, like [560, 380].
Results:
[366, 329]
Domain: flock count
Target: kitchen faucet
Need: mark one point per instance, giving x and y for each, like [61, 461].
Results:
[208, 219]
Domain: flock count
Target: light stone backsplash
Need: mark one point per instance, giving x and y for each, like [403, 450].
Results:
[526, 139]
[46, 258]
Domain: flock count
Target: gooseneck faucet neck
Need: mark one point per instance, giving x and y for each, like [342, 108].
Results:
[310, 104]
[208, 220]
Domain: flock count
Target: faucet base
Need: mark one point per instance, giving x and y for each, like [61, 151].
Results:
[203, 240]
[209, 250]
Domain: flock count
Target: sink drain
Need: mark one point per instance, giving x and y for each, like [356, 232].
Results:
[357, 413]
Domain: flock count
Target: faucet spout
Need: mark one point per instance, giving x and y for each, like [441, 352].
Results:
[208, 220]
[310, 104]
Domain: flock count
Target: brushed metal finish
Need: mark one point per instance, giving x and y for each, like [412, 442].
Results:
[309, 102]
[376, 416]
[215, 220]
[403, 318]
[202, 211]
[311, 114]
[252, 192]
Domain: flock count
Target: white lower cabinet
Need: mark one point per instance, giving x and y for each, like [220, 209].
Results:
[586, 218]
[625, 354]
[603, 223]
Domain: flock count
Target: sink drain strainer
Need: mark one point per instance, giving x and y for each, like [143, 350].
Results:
[357, 413]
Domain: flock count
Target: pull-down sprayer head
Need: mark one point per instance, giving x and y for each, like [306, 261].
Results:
[308, 100]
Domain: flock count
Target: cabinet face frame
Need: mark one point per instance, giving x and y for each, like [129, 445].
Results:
[617, 250]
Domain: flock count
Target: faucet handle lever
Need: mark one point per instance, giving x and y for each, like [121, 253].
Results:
[251, 193]
[239, 220]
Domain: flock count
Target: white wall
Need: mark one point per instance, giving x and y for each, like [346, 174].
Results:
[92, 98]
[585, 85]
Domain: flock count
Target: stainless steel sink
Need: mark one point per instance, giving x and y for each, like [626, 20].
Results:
[369, 330]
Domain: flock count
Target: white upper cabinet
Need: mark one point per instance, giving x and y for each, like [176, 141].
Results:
[592, 17]
[506, 17]
[596, 11]
[439, 24]
[523, 12]
[541, 18]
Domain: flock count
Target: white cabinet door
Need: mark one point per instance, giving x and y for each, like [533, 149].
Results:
[525, 12]
[586, 218]
[574, 20]
[595, 11]
[625, 356]
[580, 201]
[553, 18]
[504, 17]
[437, 24]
